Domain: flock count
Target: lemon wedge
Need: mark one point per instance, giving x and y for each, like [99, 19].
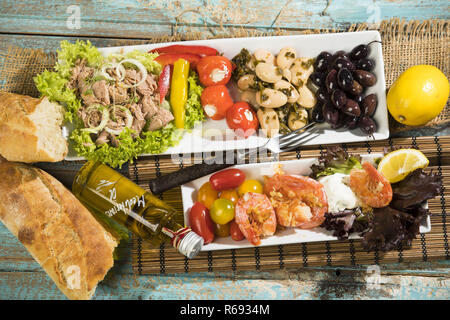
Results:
[396, 165]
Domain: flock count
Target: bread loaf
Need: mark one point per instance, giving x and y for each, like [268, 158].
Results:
[57, 230]
[30, 129]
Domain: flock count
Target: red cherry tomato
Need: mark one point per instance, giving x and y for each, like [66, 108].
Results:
[201, 223]
[242, 118]
[216, 100]
[235, 232]
[214, 70]
[227, 179]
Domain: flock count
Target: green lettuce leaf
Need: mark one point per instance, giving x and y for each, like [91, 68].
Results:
[146, 58]
[335, 160]
[194, 110]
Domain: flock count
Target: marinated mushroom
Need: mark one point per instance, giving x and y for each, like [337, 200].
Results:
[286, 57]
[268, 119]
[306, 98]
[246, 81]
[271, 98]
[288, 89]
[301, 69]
[268, 72]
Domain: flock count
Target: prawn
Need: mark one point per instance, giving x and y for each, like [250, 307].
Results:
[371, 186]
[298, 201]
[255, 217]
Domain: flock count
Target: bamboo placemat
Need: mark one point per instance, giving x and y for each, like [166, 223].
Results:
[426, 247]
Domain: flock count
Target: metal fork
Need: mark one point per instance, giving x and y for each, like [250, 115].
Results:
[276, 145]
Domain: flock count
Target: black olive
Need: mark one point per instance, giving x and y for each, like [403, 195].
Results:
[345, 79]
[356, 89]
[359, 98]
[341, 62]
[369, 104]
[331, 81]
[365, 64]
[339, 54]
[318, 78]
[330, 114]
[365, 78]
[322, 95]
[367, 125]
[351, 108]
[338, 98]
[351, 122]
[359, 52]
[317, 113]
[322, 61]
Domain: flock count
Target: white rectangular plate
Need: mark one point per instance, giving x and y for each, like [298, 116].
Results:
[287, 236]
[307, 46]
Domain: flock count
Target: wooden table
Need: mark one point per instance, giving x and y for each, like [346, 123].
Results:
[42, 24]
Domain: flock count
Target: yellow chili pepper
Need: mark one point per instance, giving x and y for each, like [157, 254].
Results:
[179, 91]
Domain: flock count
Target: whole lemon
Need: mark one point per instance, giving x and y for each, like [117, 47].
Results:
[418, 95]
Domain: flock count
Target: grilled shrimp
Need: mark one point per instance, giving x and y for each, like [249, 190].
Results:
[371, 186]
[255, 217]
[298, 201]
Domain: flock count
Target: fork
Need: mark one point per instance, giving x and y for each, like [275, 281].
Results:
[276, 145]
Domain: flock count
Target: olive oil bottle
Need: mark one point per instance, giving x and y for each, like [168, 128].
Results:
[105, 191]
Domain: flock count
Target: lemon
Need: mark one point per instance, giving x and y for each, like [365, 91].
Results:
[418, 95]
[396, 165]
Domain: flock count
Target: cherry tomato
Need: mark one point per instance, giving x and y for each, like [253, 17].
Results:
[201, 223]
[230, 194]
[243, 119]
[222, 211]
[222, 230]
[235, 232]
[214, 70]
[250, 186]
[207, 195]
[227, 179]
[216, 100]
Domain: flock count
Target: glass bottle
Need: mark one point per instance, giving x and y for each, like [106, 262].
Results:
[104, 190]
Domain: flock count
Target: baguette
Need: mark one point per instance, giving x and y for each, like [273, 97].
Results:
[30, 129]
[57, 230]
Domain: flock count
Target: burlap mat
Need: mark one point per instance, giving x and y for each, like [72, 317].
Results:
[404, 44]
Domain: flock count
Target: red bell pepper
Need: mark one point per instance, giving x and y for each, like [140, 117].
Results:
[169, 58]
[178, 49]
[164, 82]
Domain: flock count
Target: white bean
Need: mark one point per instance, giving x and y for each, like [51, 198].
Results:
[263, 55]
[307, 99]
[301, 69]
[288, 89]
[270, 98]
[246, 81]
[268, 72]
[286, 57]
[286, 74]
[250, 97]
[268, 119]
[297, 121]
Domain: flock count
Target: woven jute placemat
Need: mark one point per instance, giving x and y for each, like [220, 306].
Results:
[404, 44]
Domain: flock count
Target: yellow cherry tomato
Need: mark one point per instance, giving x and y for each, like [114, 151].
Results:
[229, 194]
[222, 211]
[222, 230]
[207, 195]
[250, 186]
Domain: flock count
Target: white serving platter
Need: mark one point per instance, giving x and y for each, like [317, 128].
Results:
[210, 136]
[287, 236]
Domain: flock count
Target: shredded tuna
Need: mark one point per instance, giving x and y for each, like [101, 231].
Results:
[160, 119]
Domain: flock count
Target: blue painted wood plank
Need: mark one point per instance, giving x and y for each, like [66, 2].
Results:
[147, 19]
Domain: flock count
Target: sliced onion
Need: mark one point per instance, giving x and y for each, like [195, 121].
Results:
[119, 69]
[141, 67]
[105, 119]
[129, 120]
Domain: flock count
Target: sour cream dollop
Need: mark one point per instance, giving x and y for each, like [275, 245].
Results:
[339, 194]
